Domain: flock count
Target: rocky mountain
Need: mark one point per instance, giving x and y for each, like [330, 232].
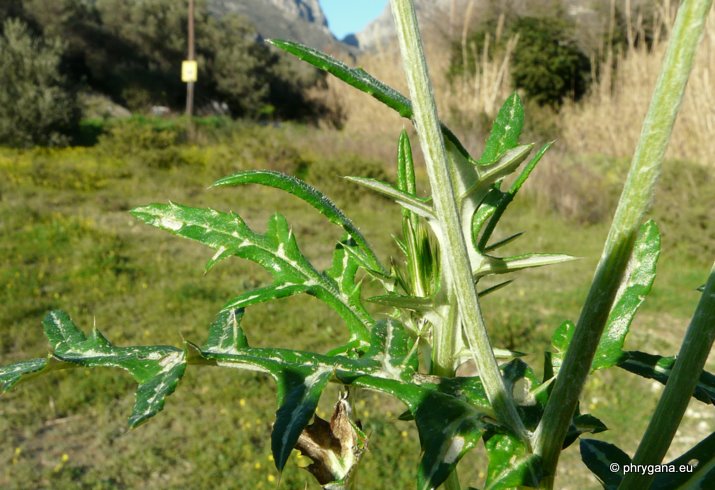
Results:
[296, 20]
[381, 31]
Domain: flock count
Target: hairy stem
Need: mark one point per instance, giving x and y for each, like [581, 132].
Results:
[679, 389]
[634, 202]
[457, 269]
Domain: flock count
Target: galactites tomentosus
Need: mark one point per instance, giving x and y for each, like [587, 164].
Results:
[434, 321]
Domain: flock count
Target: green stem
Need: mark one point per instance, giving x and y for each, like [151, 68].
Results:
[679, 389]
[634, 202]
[452, 242]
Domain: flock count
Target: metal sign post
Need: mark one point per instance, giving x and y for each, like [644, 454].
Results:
[189, 70]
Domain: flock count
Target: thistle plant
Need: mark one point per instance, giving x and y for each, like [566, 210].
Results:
[431, 294]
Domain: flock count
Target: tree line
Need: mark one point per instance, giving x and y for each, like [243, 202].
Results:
[131, 52]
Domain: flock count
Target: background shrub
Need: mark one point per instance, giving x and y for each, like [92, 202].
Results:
[547, 63]
[37, 106]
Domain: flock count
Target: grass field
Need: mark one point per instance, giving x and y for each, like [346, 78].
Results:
[67, 241]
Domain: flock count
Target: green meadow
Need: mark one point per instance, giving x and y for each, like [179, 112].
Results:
[67, 241]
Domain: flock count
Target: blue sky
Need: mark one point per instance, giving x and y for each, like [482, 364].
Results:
[350, 16]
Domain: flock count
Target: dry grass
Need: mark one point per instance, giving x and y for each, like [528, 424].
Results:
[468, 104]
[609, 121]
[606, 123]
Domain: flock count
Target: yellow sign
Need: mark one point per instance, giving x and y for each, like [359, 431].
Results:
[189, 71]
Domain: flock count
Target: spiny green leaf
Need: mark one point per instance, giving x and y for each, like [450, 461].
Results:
[495, 265]
[702, 477]
[404, 302]
[487, 208]
[468, 389]
[388, 355]
[361, 80]
[356, 77]
[510, 464]
[405, 166]
[659, 368]
[157, 369]
[12, 374]
[526, 172]
[264, 294]
[343, 271]
[226, 334]
[62, 334]
[447, 431]
[407, 201]
[508, 197]
[451, 414]
[393, 347]
[276, 250]
[505, 131]
[560, 342]
[636, 285]
[599, 456]
[488, 178]
[422, 275]
[421, 304]
[495, 288]
[309, 194]
[299, 392]
[505, 165]
[502, 242]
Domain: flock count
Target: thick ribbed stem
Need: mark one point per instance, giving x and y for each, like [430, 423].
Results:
[458, 270]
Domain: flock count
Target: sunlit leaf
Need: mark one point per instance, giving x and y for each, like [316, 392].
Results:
[393, 347]
[405, 166]
[487, 208]
[12, 374]
[510, 464]
[309, 194]
[528, 168]
[447, 430]
[226, 334]
[505, 131]
[276, 250]
[637, 283]
[156, 369]
[495, 265]
[405, 200]
[505, 165]
[507, 197]
[560, 342]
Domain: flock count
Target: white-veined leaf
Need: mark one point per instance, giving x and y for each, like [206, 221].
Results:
[276, 250]
[312, 196]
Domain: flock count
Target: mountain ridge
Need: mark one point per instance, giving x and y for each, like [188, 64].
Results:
[296, 20]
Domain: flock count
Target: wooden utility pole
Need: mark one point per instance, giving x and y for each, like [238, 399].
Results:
[191, 57]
